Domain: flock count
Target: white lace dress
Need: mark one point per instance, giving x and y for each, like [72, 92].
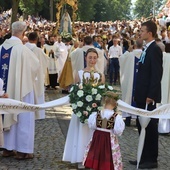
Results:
[78, 136]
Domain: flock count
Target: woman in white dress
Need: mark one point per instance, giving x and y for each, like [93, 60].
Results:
[79, 134]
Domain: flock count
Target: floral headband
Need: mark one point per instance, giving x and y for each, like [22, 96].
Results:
[111, 95]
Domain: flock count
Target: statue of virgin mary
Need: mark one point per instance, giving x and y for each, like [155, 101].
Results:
[65, 25]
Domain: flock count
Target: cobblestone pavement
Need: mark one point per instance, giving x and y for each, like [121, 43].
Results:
[50, 137]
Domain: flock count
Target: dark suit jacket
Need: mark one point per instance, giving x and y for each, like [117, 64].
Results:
[110, 43]
[148, 82]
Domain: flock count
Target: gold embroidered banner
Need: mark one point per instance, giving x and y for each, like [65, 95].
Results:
[10, 106]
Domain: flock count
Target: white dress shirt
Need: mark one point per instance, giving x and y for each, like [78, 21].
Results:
[115, 51]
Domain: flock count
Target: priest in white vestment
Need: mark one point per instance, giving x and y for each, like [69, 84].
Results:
[78, 59]
[128, 70]
[164, 124]
[19, 69]
[51, 51]
[66, 77]
[43, 60]
[61, 54]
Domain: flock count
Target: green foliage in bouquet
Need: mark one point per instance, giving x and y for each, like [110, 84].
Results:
[66, 36]
[86, 98]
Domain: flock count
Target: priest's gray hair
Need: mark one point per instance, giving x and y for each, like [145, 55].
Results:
[18, 27]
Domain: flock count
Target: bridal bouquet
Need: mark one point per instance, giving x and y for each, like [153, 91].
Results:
[85, 98]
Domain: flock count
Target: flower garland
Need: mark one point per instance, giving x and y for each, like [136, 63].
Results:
[85, 99]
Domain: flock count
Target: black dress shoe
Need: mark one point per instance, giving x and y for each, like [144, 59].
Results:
[148, 165]
[2, 149]
[134, 162]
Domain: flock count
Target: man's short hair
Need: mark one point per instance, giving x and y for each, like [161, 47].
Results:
[115, 37]
[139, 43]
[88, 40]
[151, 27]
[33, 36]
[19, 27]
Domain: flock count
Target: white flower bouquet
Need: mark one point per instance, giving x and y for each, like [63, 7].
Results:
[86, 98]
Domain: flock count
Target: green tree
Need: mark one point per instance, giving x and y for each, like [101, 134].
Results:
[45, 12]
[4, 5]
[101, 11]
[112, 10]
[86, 10]
[146, 8]
[31, 7]
[121, 9]
[46, 8]
[15, 5]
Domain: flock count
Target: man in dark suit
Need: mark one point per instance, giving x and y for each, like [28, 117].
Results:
[148, 91]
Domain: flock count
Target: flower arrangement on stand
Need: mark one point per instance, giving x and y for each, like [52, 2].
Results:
[66, 36]
[85, 97]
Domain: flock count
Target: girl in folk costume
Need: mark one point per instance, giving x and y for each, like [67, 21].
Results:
[103, 151]
[2, 95]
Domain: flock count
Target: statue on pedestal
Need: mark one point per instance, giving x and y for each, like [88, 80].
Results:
[65, 25]
[59, 5]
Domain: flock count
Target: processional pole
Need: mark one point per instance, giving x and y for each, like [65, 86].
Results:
[154, 6]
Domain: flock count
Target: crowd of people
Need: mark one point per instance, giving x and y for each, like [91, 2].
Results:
[129, 53]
